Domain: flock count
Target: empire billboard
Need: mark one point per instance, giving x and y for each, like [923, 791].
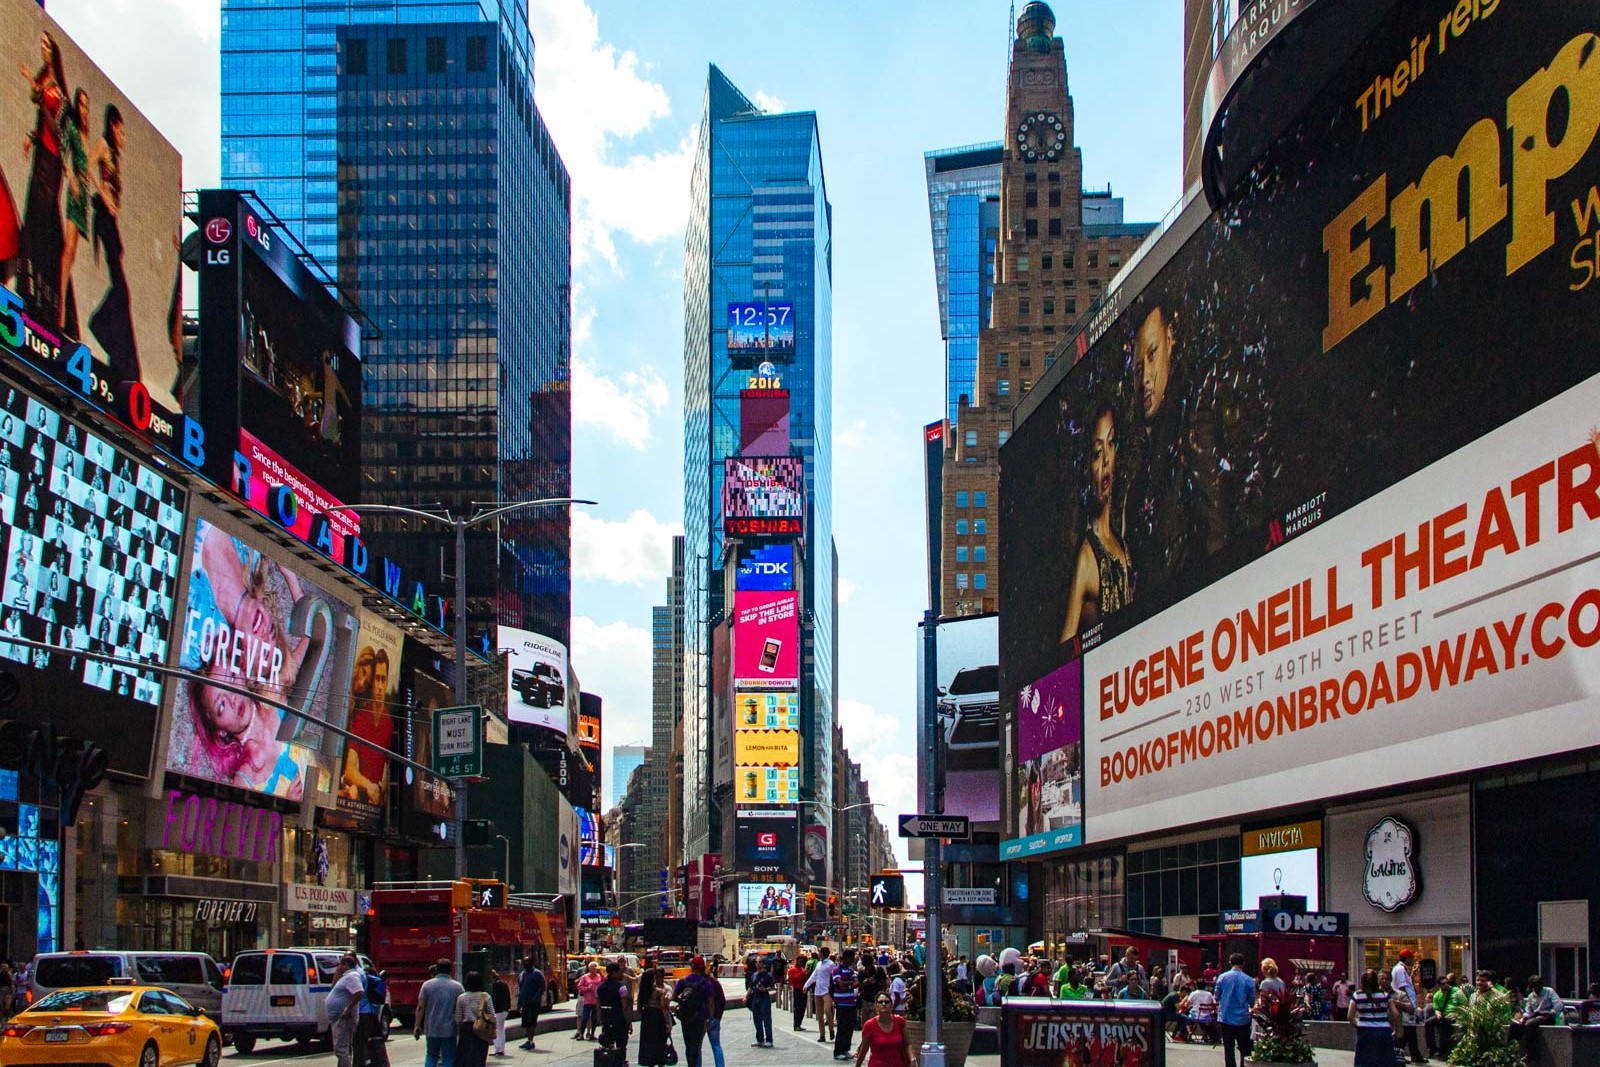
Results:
[1314, 511]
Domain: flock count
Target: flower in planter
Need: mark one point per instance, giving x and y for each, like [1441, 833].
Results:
[1283, 1040]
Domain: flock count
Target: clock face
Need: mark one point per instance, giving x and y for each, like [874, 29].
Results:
[1041, 136]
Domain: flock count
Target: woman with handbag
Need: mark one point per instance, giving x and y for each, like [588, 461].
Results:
[655, 1022]
[474, 1023]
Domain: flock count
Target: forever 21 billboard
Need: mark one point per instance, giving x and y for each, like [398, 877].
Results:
[1405, 297]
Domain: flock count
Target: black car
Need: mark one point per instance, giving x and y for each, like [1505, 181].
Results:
[539, 687]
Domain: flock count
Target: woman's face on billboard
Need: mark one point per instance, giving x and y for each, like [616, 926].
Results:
[1103, 456]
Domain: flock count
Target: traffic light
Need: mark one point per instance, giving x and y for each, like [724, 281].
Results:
[833, 905]
[811, 901]
[888, 890]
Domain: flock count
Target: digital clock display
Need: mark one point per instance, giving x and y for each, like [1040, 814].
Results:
[761, 331]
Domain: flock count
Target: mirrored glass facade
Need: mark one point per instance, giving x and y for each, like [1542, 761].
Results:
[402, 142]
[759, 230]
[964, 216]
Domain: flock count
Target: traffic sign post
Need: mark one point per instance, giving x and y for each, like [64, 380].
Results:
[932, 1052]
[940, 827]
[458, 742]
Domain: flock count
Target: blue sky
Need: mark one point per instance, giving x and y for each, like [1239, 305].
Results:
[621, 83]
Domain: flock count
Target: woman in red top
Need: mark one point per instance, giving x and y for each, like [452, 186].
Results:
[885, 1037]
[797, 990]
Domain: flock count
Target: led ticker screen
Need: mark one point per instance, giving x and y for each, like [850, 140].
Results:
[92, 540]
[756, 898]
[761, 331]
[764, 496]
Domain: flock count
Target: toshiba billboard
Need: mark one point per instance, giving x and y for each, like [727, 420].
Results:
[1316, 511]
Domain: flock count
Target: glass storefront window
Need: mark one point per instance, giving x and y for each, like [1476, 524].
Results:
[169, 924]
[136, 857]
[1083, 895]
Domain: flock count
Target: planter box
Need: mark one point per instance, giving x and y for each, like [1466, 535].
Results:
[957, 1038]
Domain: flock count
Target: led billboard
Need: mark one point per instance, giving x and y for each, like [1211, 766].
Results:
[1313, 513]
[427, 798]
[536, 679]
[766, 568]
[280, 383]
[238, 628]
[766, 641]
[759, 898]
[761, 331]
[763, 496]
[767, 785]
[764, 417]
[92, 540]
[766, 748]
[590, 713]
[375, 700]
[767, 841]
[967, 706]
[89, 232]
[767, 710]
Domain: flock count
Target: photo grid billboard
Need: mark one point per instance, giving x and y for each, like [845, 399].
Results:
[92, 541]
[90, 216]
[1313, 514]
[763, 496]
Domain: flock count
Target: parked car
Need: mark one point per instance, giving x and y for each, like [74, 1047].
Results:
[117, 1025]
[194, 976]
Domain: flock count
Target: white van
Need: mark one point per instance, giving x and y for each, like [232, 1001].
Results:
[194, 976]
[279, 993]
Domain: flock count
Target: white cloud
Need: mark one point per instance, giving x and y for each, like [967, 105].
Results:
[847, 590]
[635, 551]
[851, 435]
[620, 406]
[612, 660]
[878, 741]
[596, 99]
[769, 103]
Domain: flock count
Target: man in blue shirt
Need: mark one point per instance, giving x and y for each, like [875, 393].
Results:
[1236, 995]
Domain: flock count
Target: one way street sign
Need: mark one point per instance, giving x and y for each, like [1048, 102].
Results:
[953, 827]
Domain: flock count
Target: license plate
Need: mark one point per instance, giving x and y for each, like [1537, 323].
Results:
[57, 1035]
[283, 1002]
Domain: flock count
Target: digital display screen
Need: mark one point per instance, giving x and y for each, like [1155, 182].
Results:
[590, 853]
[237, 629]
[967, 704]
[763, 899]
[375, 700]
[764, 487]
[767, 842]
[767, 710]
[536, 679]
[766, 641]
[766, 568]
[92, 543]
[91, 232]
[767, 785]
[761, 331]
[426, 794]
[1294, 872]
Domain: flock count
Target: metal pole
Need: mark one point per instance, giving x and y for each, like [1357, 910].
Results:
[933, 882]
[461, 701]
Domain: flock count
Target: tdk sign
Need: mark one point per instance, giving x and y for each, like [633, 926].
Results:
[769, 568]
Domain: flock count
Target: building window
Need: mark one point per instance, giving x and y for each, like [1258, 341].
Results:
[1055, 227]
[961, 580]
[1049, 306]
[961, 500]
[1024, 307]
[1004, 386]
[961, 553]
[980, 554]
[1115, 259]
[1005, 435]
[1094, 260]
[1027, 383]
[1000, 359]
[980, 580]
[980, 527]
[435, 55]
[1030, 177]
[1022, 264]
[980, 499]
[355, 56]
[1066, 263]
[1072, 309]
[1031, 227]
[1055, 176]
[477, 55]
[1049, 261]
[1031, 198]
[396, 63]
[972, 438]
[961, 527]
[1055, 198]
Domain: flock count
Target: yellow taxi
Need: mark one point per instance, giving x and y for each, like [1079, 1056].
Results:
[115, 1025]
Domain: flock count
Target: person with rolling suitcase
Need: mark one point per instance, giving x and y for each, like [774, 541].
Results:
[615, 1020]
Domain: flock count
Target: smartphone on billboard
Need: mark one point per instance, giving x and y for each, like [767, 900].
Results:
[769, 655]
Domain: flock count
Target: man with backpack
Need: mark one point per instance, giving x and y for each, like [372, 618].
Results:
[531, 988]
[369, 1019]
[695, 1001]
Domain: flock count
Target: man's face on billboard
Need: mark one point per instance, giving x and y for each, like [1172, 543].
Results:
[1153, 358]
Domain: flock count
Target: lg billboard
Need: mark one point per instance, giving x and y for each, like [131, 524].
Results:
[1315, 513]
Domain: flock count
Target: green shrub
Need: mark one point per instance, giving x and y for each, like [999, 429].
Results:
[1483, 1040]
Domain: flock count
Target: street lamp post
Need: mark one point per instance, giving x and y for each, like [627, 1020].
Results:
[505, 871]
[460, 524]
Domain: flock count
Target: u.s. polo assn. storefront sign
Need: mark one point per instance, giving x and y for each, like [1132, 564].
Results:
[319, 899]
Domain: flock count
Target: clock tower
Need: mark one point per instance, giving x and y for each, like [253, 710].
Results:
[1055, 250]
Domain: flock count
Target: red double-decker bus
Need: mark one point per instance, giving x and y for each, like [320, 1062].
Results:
[412, 925]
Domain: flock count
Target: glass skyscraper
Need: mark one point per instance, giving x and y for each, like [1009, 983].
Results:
[964, 215]
[759, 230]
[401, 141]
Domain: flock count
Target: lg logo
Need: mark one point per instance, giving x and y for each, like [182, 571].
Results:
[218, 230]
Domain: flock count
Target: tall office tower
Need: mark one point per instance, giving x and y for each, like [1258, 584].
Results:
[400, 140]
[1054, 253]
[624, 760]
[758, 303]
[964, 215]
